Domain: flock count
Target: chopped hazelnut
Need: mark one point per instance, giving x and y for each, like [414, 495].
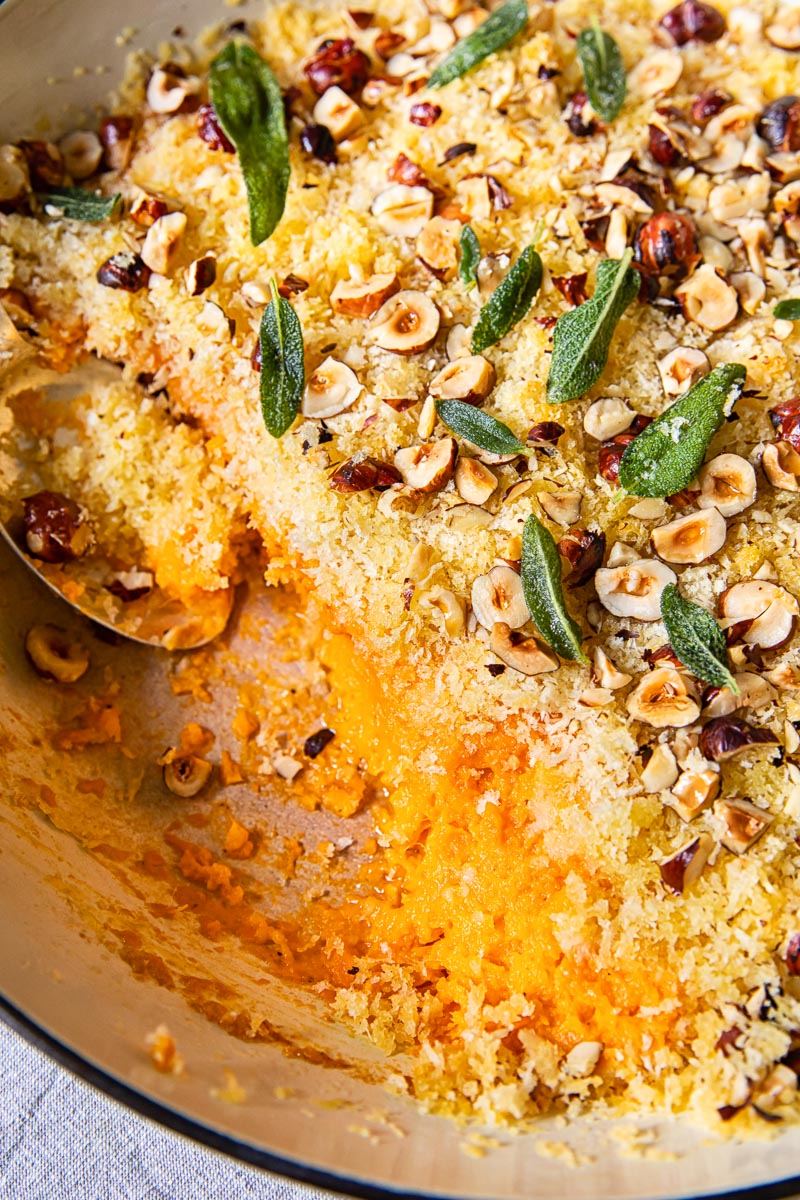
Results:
[663, 699]
[161, 242]
[437, 246]
[469, 379]
[201, 274]
[707, 299]
[657, 73]
[429, 467]
[45, 163]
[742, 823]
[475, 483]
[583, 549]
[563, 507]
[402, 210]
[117, 135]
[145, 208]
[82, 152]
[605, 673]
[784, 31]
[685, 866]
[338, 63]
[451, 606]
[682, 368]
[331, 389]
[582, 1059]
[55, 529]
[363, 475]
[661, 770]
[692, 792]
[362, 299]
[55, 655]
[750, 288]
[186, 774]
[690, 539]
[338, 113]
[759, 613]
[727, 483]
[634, 588]
[498, 596]
[524, 654]
[406, 323]
[723, 737]
[781, 463]
[607, 417]
[14, 178]
[124, 271]
[169, 88]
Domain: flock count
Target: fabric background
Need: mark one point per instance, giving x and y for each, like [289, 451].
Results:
[62, 1140]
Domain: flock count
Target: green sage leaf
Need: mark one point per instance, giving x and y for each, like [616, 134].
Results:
[509, 302]
[544, 594]
[283, 373]
[478, 427]
[582, 336]
[696, 639]
[667, 455]
[603, 71]
[470, 256]
[787, 310]
[495, 32]
[249, 105]
[79, 205]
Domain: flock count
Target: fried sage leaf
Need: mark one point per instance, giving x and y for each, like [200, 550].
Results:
[78, 205]
[696, 639]
[283, 373]
[478, 427]
[249, 105]
[495, 32]
[582, 336]
[603, 71]
[787, 310]
[509, 302]
[667, 455]
[470, 256]
[544, 593]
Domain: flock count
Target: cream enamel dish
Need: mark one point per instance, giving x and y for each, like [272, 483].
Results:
[142, 988]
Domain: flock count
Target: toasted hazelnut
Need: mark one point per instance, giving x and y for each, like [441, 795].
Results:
[661, 770]
[727, 483]
[606, 673]
[465, 518]
[475, 483]
[429, 467]
[750, 289]
[620, 554]
[756, 236]
[524, 654]
[616, 239]
[607, 417]
[692, 792]
[331, 389]
[337, 63]
[338, 113]
[779, 1087]
[759, 613]
[724, 737]
[690, 539]
[402, 210]
[667, 245]
[124, 271]
[474, 197]
[437, 246]
[563, 507]
[491, 271]
[458, 342]
[684, 867]
[186, 774]
[682, 368]
[651, 508]
[451, 606]
[634, 589]
[619, 194]
[45, 163]
[364, 474]
[707, 299]
[781, 463]
[663, 699]
[201, 274]
[286, 766]
[55, 529]
[406, 323]
[82, 152]
[582, 1059]
[14, 178]
[583, 549]
[754, 692]
[55, 655]
[783, 166]
[161, 242]
[363, 299]
[784, 31]
[145, 208]
[427, 418]
[742, 823]
[470, 379]
[657, 73]
[498, 596]
[785, 417]
[116, 133]
[785, 675]
[168, 89]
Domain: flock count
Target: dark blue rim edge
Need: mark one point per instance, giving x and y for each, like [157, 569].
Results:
[167, 1117]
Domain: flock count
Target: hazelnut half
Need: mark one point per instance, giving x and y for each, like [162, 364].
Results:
[186, 774]
[682, 368]
[759, 613]
[402, 210]
[524, 654]
[82, 152]
[607, 417]
[754, 692]
[727, 483]
[723, 737]
[708, 299]
[497, 596]
[634, 589]
[55, 655]
[742, 823]
[663, 699]
[475, 483]
[363, 299]
[437, 246]
[406, 323]
[690, 539]
[470, 379]
[429, 467]
[331, 389]
[781, 463]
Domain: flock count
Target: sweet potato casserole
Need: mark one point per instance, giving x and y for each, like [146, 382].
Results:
[474, 331]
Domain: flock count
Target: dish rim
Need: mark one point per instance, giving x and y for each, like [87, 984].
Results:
[204, 1135]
